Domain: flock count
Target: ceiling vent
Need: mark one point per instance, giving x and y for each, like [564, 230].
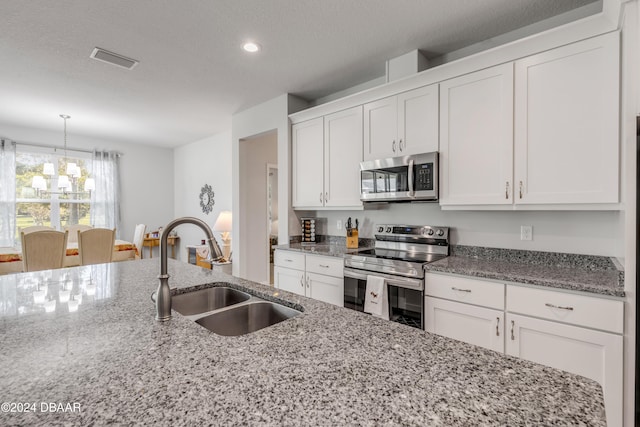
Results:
[113, 58]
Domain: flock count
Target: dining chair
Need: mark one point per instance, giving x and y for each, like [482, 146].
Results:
[138, 237]
[73, 231]
[43, 249]
[33, 228]
[95, 246]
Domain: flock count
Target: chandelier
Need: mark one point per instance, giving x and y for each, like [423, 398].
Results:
[66, 183]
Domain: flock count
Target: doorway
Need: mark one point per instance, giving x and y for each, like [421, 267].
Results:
[256, 154]
[272, 214]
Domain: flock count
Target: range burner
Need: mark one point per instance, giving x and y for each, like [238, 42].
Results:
[402, 250]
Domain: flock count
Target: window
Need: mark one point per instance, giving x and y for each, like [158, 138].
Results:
[51, 207]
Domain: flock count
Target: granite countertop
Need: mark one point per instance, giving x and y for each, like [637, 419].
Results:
[331, 249]
[586, 273]
[327, 366]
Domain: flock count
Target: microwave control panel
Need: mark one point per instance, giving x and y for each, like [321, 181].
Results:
[423, 177]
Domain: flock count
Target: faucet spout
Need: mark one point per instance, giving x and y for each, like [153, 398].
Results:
[163, 294]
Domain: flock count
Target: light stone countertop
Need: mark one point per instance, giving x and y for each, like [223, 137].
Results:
[597, 275]
[327, 366]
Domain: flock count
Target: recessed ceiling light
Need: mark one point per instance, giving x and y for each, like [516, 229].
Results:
[251, 47]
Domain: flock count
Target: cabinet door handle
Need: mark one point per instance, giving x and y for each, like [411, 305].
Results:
[326, 197]
[497, 326]
[559, 307]
[321, 197]
[307, 282]
[460, 290]
[512, 325]
[506, 191]
[393, 145]
[323, 266]
[289, 260]
[521, 189]
[302, 281]
[400, 145]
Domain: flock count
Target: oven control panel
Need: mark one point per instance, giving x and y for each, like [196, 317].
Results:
[397, 232]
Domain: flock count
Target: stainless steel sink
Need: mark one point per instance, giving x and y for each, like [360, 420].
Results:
[206, 300]
[246, 318]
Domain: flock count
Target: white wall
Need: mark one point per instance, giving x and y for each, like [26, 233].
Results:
[266, 117]
[255, 154]
[594, 233]
[146, 174]
[207, 161]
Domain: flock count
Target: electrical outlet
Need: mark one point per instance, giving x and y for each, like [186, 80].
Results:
[526, 232]
[339, 224]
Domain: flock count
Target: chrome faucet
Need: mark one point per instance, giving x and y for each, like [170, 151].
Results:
[163, 294]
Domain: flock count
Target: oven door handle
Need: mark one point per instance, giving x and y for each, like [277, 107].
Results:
[400, 282]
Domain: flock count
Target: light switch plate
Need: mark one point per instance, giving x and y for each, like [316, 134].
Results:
[339, 224]
[526, 232]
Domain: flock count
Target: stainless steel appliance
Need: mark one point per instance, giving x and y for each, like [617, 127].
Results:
[399, 256]
[400, 179]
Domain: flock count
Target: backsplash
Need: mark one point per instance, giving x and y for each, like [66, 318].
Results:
[335, 240]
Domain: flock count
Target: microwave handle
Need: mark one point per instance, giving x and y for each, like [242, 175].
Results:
[410, 178]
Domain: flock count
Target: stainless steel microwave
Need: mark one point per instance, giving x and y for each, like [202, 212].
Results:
[400, 179]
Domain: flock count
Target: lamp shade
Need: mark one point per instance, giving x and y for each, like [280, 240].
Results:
[223, 223]
[89, 184]
[48, 169]
[71, 168]
[64, 183]
[39, 183]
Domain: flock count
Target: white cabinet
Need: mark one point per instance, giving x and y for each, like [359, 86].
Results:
[307, 153]
[326, 154]
[476, 138]
[593, 354]
[576, 333]
[566, 145]
[567, 121]
[481, 326]
[314, 276]
[402, 124]
[289, 279]
[343, 154]
[464, 309]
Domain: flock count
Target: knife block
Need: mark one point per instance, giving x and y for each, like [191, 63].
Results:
[352, 238]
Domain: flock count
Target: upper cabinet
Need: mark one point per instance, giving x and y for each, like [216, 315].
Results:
[307, 153]
[552, 141]
[566, 126]
[402, 124]
[476, 138]
[326, 154]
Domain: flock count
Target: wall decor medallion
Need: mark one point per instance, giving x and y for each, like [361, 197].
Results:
[206, 199]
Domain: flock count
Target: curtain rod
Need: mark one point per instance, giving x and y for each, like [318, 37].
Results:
[55, 147]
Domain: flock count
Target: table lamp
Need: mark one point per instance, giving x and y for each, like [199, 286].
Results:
[223, 225]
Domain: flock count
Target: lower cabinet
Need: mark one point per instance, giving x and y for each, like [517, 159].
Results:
[481, 326]
[593, 354]
[301, 274]
[576, 333]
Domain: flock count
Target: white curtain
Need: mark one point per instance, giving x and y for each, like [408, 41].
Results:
[105, 199]
[7, 192]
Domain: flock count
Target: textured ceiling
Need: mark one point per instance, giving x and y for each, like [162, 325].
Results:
[193, 76]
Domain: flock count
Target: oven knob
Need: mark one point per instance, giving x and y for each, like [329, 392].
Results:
[430, 232]
[388, 229]
[440, 233]
[380, 229]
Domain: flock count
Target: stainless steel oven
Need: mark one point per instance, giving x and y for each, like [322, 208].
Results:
[402, 179]
[399, 255]
[406, 296]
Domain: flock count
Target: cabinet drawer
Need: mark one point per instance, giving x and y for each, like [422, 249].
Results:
[289, 259]
[330, 266]
[470, 291]
[592, 312]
